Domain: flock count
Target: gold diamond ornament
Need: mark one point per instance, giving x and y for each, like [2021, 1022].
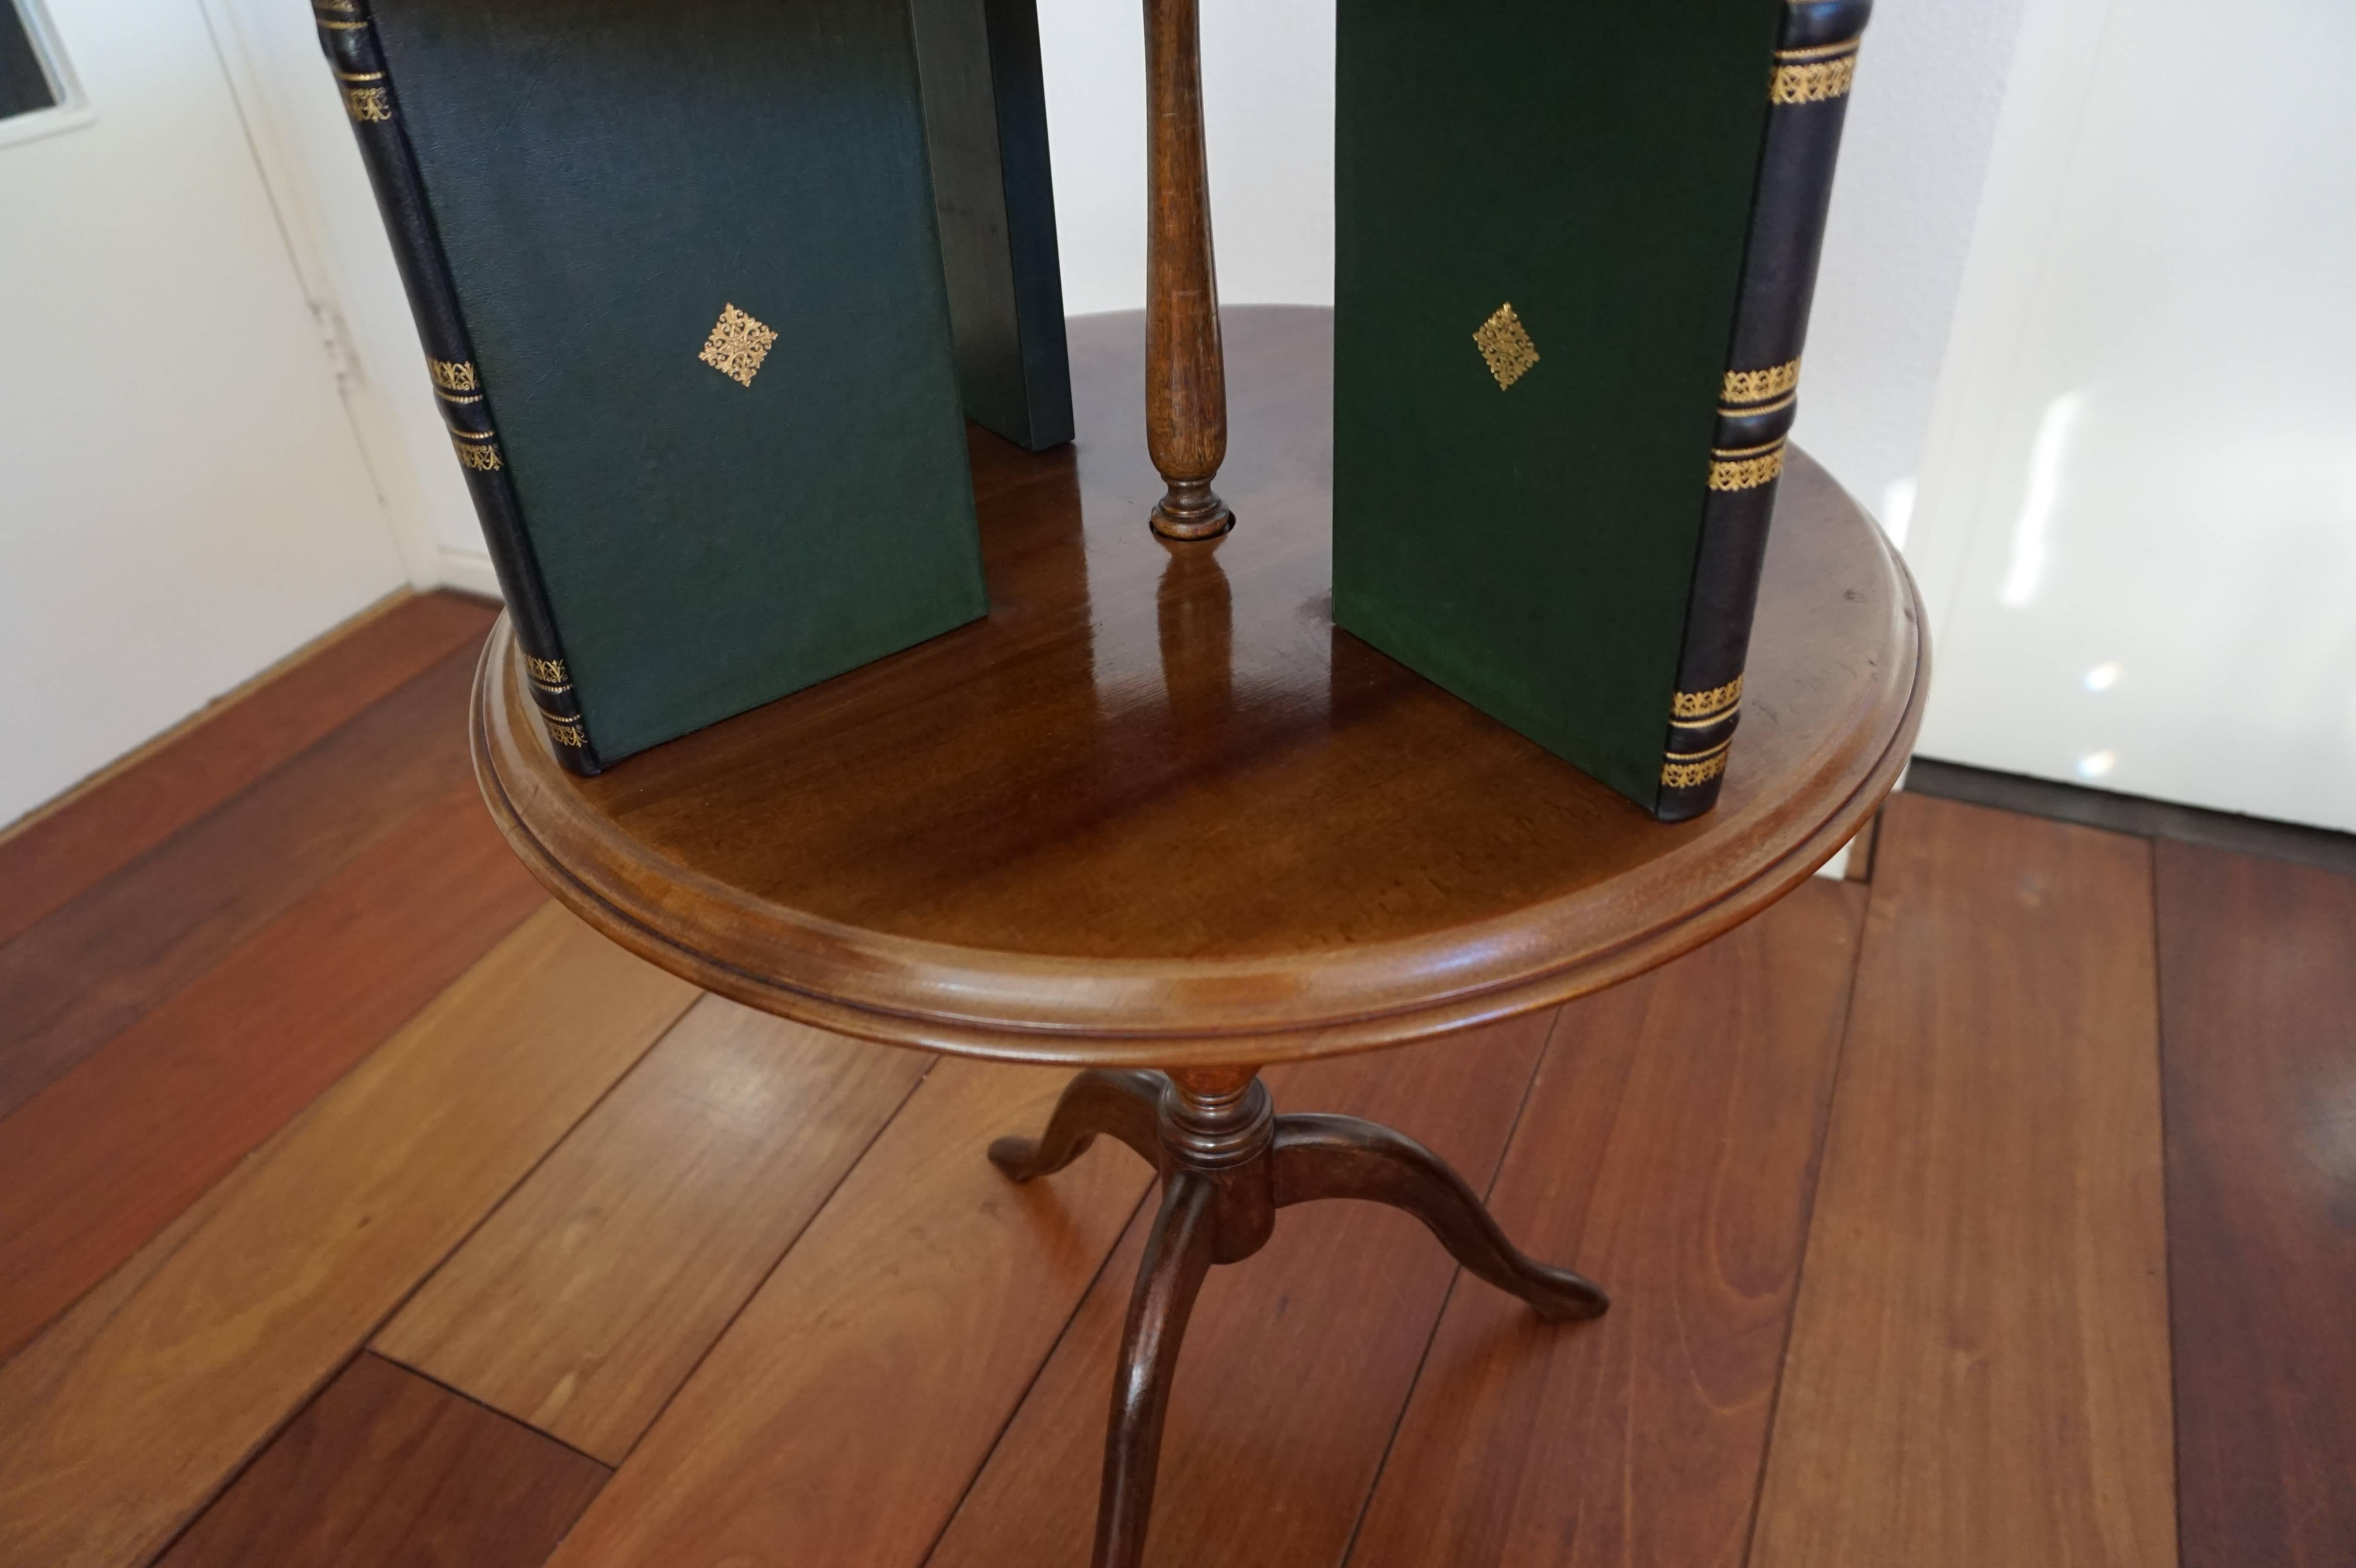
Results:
[737, 346]
[1507, 346]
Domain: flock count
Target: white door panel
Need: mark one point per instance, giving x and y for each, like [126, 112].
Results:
[184, 500]
[2156, 592]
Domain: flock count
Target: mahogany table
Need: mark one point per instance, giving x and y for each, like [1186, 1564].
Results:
[1156, 817]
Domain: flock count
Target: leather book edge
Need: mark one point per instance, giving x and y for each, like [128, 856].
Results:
[1018, 78]
[1807, 95]
[347, 36]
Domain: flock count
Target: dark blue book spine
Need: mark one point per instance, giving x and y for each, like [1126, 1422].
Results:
[1807, 97]
[348, 35]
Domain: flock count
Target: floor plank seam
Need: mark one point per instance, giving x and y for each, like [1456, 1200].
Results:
[235, 1473]
[267, 921]
[2166, 1179]
[451, 1388]
[1808, 1220]
[369, 1339]
[362, 1342]
[775, 1263]
[234, 1173]
[63, 803]
[1432, 1334]
[1151, 1196]
[327, 1089]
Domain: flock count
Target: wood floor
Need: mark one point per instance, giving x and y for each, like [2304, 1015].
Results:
[358, 1206]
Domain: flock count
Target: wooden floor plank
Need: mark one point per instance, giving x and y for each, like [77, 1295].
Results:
[126, 1415]
[385, 1469]
[93, 968]
[841, 1414]
[2258, 985]
[58, 854]
[1979, 1366]
[100, 1160]
[585, 1301]
[1670, 1145]
[1296, 1362]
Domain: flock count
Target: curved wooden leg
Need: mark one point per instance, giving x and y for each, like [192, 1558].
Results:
[1123, 1102]
[1177, 1256]
[1341, 1157]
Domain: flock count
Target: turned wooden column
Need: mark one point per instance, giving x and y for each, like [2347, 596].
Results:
[1185, 379]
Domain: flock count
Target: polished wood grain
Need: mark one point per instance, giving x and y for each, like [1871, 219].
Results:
[129, 1412]
[101, 1159]
[1978, 1370]
[89, 971]
[1296, 1364]
[1155, 811]
[1185, 373]
[53, 856]
[840, 1418]
[384, 1469]
[1669, 1145]
[585, 1301]
[2257, 987]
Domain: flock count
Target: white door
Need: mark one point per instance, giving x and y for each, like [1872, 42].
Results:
[182, 496]
[2147, 571]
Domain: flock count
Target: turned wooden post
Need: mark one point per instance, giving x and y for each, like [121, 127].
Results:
[1185, 378]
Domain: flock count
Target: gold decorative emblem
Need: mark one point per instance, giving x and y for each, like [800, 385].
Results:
[1775, 382]
[565, 732]
[1711, 705]
[737, 346]
[1745, 468]
[368, 104]
[547, 672]
[1506, 347]
[1813, 76]
[453, 375]
[1683, 769]
[477, 452]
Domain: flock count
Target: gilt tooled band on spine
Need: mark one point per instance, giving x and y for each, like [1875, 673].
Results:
[348, 35]
[1807, 99]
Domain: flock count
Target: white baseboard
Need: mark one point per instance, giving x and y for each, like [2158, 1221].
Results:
[469, 571]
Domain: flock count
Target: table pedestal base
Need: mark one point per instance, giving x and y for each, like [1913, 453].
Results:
[1228, 1162]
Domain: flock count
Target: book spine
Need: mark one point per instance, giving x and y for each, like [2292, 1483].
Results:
[986, 133]
[1807, 97]
[1018, 78]
[348, 35]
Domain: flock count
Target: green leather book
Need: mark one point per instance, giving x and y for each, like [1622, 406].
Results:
[677, 274]
[1575, 250]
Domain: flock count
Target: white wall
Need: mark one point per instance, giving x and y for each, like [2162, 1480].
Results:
[1268, 108]
[1922, 121]
[2142, 501]
[307, 148]
[182, 499]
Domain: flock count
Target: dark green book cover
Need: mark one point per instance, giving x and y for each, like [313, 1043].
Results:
[1547, 214]
[676, 268]
[986, 125]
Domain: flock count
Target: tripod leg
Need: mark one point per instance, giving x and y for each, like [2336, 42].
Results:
[1177, 1256]
[1341, 1157]
[1121, 1102]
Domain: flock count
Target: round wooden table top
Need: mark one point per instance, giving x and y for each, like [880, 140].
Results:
[1155, 810]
